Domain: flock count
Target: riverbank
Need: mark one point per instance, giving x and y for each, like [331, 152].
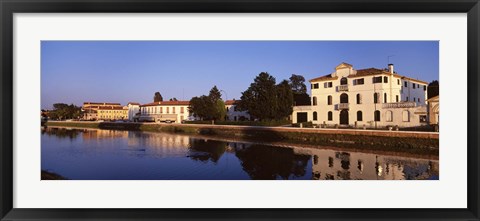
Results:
[51, 176]
[424, 143]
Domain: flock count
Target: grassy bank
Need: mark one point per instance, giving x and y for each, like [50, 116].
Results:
[412, 145]
[272, 123]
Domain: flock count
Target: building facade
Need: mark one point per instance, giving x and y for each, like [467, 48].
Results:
[90, 109]
[133, 110]
[112, 113]
[434, 110]
[165, 111]
[365, 98]
[233, 114]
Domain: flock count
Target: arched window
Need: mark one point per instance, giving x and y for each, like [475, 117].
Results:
[375, 98]
[384, 97]
[359, 99]
[329, 100]
[343, 81]
[359, 116]
[389, 116]
[405, 116]
[343, 98]
[314, 115]
[314, 101]
[377, 115]
[330, 116]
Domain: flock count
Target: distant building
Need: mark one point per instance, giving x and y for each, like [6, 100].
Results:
[165, 111]
[112, 113]
[368, 97]
[90, 109]
[233, 114]
[133, 110]
[434, 110]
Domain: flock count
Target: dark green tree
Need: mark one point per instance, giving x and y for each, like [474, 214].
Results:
[215, 94]
[433, 89]
[157, 97]
[299, 89]
[284, 100]
[63, 111]
[260, 99]
[297, 83]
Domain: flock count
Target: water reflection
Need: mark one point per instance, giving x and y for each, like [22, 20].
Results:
[90, 154]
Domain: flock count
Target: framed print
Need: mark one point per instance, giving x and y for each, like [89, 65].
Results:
[239, 110]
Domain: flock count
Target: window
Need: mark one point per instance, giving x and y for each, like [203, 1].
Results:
[314, 101]
[343, 98]
[359, 116]
[161, 109]
[384, 97]
[389, 116]
[359, 99]
[406, 99]
[343, 81]
[375, 98]
[327, 84]
[385, 79]
[413, 85]
[398, 81]
[168, 110]
[377, 115]
[330, 116]
[423, 118]
[396, 98]
[377, 79]
[173, 109]
[314, 115]
[406, 84]
[424, 87]
[414, 99]
[358, 81]
[329, 100]
[405, 116]
[315, 86]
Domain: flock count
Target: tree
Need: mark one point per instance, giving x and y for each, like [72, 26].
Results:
[63, 111]
[260, 99]
[209, 107]
[297, 83]
[157, 97]
[215, 94]
[173, 99]
[299, 89]
[433, 89]
[284, 100]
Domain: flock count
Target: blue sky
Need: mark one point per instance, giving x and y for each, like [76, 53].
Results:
[124, 71]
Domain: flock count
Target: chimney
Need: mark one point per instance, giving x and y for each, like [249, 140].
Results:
[390, 68]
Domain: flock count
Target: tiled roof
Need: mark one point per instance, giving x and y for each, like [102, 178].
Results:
[111, 108]
[101, 103]
[133, 103]
[367, 72]
[166, 103]
[231, 102]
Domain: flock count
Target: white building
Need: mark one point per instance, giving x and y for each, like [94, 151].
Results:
[133, 109]
[233, 114]
[369, 97]
[165, 111]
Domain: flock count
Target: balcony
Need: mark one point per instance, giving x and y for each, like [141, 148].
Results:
[400, 105]
[342, 106]
[342, 87]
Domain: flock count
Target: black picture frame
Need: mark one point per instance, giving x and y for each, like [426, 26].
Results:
[9, 7]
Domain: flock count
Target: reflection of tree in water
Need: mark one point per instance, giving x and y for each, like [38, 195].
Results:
[264, 162]
[205, 150]
[61, 132]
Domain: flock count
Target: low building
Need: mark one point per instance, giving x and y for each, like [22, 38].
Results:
[434, 110]
[165, 111]
[90, 109]
[233, 114]
[112, 113]
[365, 98]
[133, 110]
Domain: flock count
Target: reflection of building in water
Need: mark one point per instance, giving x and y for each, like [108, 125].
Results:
[335, 165]
[100, 134]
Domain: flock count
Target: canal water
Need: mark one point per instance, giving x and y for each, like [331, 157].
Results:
[93, 154]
